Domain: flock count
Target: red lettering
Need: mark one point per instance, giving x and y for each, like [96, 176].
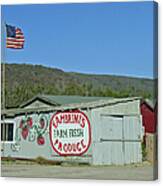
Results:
[78, 148]
[69, 148]
[70, 140]
[76, 118]
[65, 147]
[80, 118]
[55, 124]
[60, 146]
[82, 143]
[56, 141]
[67, 118]
[62, 118]
[83, 123]
[73, 147]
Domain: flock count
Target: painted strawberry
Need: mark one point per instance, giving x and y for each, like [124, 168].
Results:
[25, 133]
[21, 123]
[40, 140]
[42, 123]
[29, 122]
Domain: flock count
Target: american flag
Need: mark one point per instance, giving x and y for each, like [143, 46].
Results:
[15, 37]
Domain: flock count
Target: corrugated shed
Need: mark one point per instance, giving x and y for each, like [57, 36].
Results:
[57, 100]
[116, 132]
[83, 105]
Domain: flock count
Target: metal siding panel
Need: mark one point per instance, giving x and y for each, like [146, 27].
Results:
[133, 131]
[107, 155]
[133, 152]
[133, 128]
[129, 108]
[108, 152]
[97, 155]
[117, 153]
[127, 156]
[111, 128]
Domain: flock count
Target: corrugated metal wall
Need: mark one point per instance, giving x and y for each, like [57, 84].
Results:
[118, 141]
[116, 132]
[29, 147]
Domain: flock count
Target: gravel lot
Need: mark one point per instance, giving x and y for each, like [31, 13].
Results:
[133, 172]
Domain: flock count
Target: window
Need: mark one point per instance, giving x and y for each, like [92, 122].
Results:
[7, 131]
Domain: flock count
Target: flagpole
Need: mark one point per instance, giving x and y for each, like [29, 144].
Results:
[3, 52]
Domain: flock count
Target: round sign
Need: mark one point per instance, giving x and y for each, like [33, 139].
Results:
[70, 133]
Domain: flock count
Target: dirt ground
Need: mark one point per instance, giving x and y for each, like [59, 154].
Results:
[133, 172]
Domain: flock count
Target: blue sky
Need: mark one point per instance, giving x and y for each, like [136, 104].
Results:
[103, 38]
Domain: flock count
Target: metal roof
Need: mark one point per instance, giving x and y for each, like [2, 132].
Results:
[62, 99]
[84, 105]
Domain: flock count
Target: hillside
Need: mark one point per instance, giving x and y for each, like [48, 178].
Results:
[23, 81]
